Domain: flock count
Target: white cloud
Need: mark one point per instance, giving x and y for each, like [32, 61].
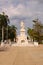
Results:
[18, 10]
[11, 11]
[29, 9]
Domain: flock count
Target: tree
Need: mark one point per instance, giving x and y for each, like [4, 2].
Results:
[38, 28]
[36, 33]
[0, 33]
[4, 20]
[31, 33]
[12, 32]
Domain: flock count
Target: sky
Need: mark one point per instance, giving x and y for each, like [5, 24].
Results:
[22, 10]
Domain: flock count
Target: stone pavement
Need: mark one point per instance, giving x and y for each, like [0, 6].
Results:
[22, 56]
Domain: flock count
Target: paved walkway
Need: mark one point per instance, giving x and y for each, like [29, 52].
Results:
[22, 56]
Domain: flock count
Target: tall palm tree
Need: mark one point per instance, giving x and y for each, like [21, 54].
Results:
[4, 20]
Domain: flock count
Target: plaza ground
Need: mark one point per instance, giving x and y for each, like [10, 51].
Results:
[22, 56]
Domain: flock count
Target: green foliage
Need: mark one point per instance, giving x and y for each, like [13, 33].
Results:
[38, 28]
[12, 32]
[31, 33]
[4, 20]
[37, 32]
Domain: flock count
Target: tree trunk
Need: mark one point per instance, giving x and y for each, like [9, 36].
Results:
[2, 33]
[7, 33]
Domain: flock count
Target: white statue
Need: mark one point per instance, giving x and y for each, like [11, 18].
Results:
[22, 24]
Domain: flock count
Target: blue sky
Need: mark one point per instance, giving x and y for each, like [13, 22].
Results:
[26, 10]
